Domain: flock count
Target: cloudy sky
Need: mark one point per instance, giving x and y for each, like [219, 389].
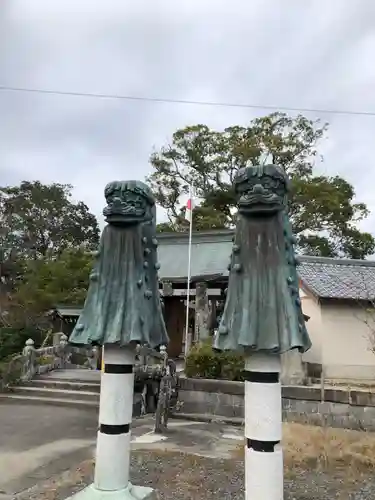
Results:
[291, 53]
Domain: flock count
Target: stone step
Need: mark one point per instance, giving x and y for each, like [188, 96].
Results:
[44, 392]
[71, 375]
[53, 401]
[50, 383]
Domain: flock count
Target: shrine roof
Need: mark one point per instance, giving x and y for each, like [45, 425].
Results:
[210, 252]
[325, 277]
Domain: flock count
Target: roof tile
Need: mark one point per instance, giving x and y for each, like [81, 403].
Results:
[336, 280]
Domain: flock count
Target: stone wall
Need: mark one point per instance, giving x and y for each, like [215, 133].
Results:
[352, 409]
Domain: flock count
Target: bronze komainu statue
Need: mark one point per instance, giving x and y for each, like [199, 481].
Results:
[263, 308]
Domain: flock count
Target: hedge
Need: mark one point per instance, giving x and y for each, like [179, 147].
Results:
[203, 362]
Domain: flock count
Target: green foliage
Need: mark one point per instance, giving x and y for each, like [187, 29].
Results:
[48, 282]
[45, 245]
[11, 370]
[12, 340]
[46, 360]
[203, 362]
[40, 220]
[232, 365]
[322, 208]
[164, 227]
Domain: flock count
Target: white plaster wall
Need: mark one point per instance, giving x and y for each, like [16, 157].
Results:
[347, 341]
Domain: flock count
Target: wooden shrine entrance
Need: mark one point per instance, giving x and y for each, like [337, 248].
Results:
[203, 302]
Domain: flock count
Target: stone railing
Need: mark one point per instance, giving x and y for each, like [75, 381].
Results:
[31, 362]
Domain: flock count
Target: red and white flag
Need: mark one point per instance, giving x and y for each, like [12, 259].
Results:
[189, 208]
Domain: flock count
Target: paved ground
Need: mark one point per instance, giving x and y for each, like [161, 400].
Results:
[33, 437]
[46, 453]
[38, 441]
[200, 461]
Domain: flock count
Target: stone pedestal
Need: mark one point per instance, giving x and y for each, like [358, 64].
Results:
[201, 312]
[129, 493]
[292, 371]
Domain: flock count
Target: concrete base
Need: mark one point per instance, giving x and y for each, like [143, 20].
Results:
[129, 493]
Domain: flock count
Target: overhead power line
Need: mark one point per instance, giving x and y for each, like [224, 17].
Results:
[186, 101]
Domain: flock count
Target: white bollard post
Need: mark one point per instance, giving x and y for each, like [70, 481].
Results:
[263, 428]
[115, 416]
[111, 480]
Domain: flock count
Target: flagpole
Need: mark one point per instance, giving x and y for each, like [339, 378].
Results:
[187, 340]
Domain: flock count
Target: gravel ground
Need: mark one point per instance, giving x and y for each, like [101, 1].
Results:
[181, 476]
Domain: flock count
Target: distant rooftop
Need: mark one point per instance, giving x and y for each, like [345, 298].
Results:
[210, 254]
[325, 277]
[64, 310]
[338, 279]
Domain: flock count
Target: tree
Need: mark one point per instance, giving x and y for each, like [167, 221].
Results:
[39, 220]
[44, 284]
[11, 269]
[12, 340]
[322, 208]
[48, 282]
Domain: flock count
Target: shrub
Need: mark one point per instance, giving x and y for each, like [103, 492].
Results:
[46, 360]
[203, 362]
[232, 365]
[11, 369]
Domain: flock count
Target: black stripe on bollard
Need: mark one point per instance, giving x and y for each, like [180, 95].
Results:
[261, 377]
[118, 369]
[263, 446]
[114, 430]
